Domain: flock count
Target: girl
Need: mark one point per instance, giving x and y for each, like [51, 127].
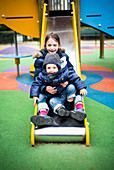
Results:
[52, 45]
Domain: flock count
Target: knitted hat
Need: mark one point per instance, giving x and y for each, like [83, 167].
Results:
[52, 59]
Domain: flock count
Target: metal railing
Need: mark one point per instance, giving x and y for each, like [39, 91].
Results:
[59, 5]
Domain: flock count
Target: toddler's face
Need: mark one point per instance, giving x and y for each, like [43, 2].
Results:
[52, 45]
[51, 68]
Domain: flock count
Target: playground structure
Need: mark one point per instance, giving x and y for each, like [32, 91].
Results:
[16, 21]
[18, 16]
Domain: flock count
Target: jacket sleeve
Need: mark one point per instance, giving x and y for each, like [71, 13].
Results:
[38, 66]
[35, 88]
[76, 80]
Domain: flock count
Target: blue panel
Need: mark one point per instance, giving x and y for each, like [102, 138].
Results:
[98, 14]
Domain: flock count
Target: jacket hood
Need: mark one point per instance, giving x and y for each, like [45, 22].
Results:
[43, 52]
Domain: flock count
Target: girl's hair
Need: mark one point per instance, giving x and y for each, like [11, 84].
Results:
[52, 35]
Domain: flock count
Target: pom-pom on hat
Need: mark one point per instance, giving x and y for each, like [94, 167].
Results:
[52, 59]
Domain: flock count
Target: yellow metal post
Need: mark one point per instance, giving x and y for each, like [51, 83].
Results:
[43, 27]
[76, 39]
[40, 13]
[33, 128]
[77, 8]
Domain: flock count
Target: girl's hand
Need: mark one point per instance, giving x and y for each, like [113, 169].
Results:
[35, 99]
[64, 84]
[51, 90]
[83, 92]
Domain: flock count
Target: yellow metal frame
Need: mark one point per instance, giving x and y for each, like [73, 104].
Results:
[33, 128]
[43, 27]
[76, 39]
[32, 135]
[79, 68]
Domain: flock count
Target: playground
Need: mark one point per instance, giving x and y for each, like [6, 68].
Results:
[16, 107]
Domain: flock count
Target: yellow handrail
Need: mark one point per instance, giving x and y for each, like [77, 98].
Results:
[76, 39]
[35, 110]
[43, 27]
[79, 68]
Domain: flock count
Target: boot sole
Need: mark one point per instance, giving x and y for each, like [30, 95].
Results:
[78, 115]
[41, 120]
[63, 112]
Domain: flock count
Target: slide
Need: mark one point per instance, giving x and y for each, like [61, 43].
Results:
[69, 130]
[63, 26]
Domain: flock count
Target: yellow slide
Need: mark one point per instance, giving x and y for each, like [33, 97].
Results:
[65, 27]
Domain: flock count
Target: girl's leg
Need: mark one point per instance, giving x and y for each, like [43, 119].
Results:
[78, 113]
[71, 91]
[42, 105]
[79, 102]
[40, 120]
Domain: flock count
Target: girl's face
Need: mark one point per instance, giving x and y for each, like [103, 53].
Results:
[51, 68]
[52, 45]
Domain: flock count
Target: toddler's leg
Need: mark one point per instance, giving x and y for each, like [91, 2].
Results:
[42, 118]
[42, 105]
[71, 93]
[57, 104]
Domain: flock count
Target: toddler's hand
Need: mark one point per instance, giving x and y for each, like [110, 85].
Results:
[51, 90]
[64, 84]
[83, 92]
[35, 99]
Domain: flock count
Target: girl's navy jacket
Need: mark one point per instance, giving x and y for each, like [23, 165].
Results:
[54, 80]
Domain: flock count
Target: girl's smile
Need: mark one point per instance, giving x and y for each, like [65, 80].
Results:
[52, 45]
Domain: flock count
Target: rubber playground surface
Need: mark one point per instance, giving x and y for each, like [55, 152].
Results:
[16, 108]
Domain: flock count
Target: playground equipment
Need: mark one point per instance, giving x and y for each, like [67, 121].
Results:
[22, 17]
[25, 17]
[60, 134]
[98, 14]
[67, 33]
[17, 59]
